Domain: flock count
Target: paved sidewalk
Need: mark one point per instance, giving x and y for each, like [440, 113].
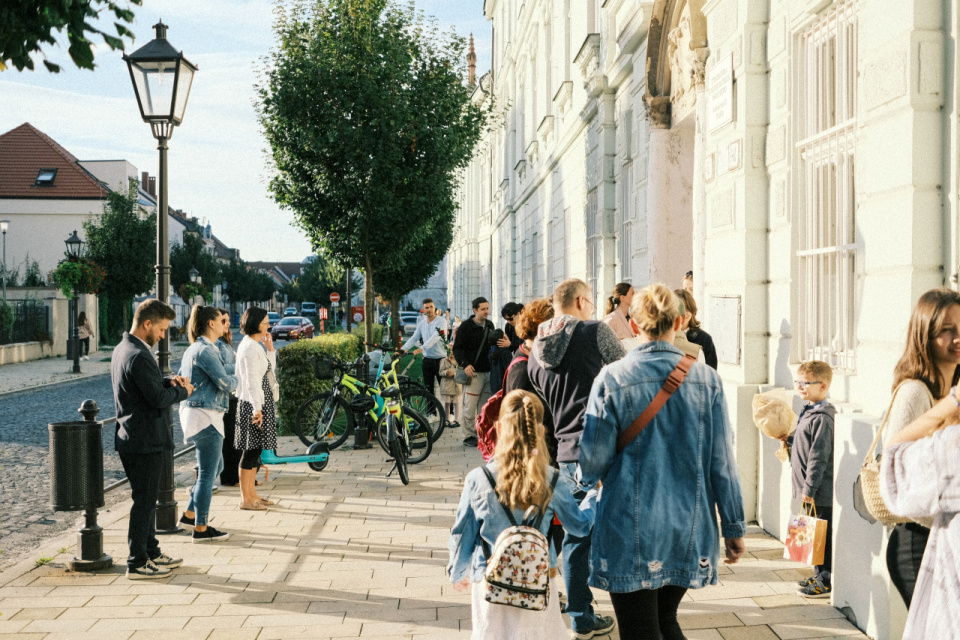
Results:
[348, 553]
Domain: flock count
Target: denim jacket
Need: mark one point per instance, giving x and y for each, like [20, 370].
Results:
[480, 517]
[201, 363]
[228, 356]
[657, 524]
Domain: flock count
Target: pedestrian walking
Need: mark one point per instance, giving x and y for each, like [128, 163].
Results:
[656, 525]
[567, 355]
[693, 332]
[811, 462]
[230, 476]
[84, 332]
[618, 310]
[201, 415]
[471, 350]
[919, 479]
[926, 371]
[141, 394]
[450, 390]
[499, 494]
[431, 332]
[257, 392]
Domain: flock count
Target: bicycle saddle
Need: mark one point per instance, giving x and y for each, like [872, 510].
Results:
[390, 392]
[361, 403]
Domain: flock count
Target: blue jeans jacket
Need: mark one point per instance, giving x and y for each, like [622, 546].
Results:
[656, 523]
[228, 356]
[480, 517]
[201, 363]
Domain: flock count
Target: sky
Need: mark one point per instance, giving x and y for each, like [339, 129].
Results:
[217, 156]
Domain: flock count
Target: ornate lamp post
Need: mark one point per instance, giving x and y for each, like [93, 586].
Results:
[3, 227]
[196, 279]
[74, 252]
[161, 79]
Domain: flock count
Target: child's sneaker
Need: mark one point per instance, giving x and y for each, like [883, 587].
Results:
[815, 589]
[806, 583]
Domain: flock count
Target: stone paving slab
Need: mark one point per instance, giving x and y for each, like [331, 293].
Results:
[349, 553]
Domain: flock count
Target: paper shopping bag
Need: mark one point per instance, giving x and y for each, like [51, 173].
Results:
[806, 539]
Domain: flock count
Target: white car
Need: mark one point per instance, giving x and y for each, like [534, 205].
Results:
[408, 322]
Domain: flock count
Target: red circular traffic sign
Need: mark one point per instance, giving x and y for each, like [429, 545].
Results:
[334, 297]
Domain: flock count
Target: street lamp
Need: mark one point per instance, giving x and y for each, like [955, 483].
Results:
[74, 252]
[161, 79]
[3, 227]
[195, 276]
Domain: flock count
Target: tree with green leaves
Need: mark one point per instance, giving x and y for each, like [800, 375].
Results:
[28, 25]
[192, 254]
[368, 117]
[123, 242]
[247, 285]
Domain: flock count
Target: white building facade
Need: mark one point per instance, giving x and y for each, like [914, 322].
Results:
[801, 157]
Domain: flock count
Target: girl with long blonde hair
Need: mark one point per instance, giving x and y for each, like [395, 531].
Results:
[523, 476]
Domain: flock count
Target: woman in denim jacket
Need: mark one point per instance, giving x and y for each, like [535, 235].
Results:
[201, 415]
[656, 526]
[521, 467]
[230, 476]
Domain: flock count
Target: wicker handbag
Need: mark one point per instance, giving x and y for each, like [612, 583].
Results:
[869, 480]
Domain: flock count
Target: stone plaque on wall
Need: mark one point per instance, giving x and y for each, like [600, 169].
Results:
[720, 89]
[725, 327]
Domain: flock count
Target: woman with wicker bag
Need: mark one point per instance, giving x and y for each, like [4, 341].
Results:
[925, 372]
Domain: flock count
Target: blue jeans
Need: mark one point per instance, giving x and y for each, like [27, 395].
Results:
[209, 445]
[576, 568]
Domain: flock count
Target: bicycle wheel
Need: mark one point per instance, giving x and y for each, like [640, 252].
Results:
[399, 456]
[324, 418]
[418, 431]
[427, 405]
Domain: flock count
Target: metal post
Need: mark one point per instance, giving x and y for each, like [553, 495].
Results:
[76, 331]
[346, 311]
[90, 537]
[166, 518]
[4, 265]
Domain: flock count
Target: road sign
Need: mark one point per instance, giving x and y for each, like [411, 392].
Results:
[322, 313]
[334, 297]
[357, 314]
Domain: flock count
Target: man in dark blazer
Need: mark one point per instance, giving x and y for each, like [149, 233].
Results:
[141, 393]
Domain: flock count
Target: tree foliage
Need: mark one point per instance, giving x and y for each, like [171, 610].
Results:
[30, 24]
[192, 254]
[368, 118]
[245, 284]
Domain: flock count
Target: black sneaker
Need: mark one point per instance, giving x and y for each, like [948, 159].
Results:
[806, 583]
[816, 589]
[163, 560]
[149, 571]
[210, 534]
[470, 441]
[187, 522]
[602, 625]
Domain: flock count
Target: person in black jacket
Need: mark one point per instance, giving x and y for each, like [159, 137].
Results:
[141, 394]
[501, 353]
[471, 351]
[695, 334]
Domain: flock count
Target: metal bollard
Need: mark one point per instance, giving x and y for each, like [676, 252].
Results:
[76, 481]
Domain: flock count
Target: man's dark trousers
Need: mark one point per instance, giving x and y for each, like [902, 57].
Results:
[431, 373]
[144, 471]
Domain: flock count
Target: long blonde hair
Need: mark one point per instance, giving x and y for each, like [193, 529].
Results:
[521, 452]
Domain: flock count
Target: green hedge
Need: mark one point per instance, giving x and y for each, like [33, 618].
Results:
[295, 372]
[360, 332]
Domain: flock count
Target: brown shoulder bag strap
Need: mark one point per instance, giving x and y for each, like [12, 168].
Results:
[674, 380]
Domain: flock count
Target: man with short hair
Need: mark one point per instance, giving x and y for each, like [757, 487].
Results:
[141, 394]
[431, 332]
[471, 350]
[566, 357]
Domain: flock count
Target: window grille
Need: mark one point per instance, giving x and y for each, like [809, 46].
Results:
[627, 213]
[826, 129]
[593, 241]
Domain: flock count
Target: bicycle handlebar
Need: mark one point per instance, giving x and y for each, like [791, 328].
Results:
[384, 348]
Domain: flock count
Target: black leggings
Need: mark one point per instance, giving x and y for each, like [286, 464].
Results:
[649, 614]
[904, 555]
[250, 459]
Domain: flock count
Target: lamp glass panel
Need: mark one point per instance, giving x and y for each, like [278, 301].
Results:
[183, 91]
[154, 79]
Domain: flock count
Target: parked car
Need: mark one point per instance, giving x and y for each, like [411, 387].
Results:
[290, 311]
[273, 317]
[292, 328]
[408, 319]
[308, 308]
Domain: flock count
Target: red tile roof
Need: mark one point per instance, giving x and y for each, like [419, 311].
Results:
[25, 150]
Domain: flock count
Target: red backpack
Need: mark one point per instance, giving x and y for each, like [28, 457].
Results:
[486, 422]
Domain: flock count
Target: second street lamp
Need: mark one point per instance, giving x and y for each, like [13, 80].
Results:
[75, 252]
[162, 78]
[3, 227]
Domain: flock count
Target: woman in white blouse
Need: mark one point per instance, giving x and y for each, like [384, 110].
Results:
[257, 392]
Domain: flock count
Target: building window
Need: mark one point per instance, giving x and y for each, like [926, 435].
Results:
[45, 178]
[826, 72]
[594, 240]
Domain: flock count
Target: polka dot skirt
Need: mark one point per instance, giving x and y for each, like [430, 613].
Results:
[263, 436]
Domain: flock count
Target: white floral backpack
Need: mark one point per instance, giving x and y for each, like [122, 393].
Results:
[518, 566]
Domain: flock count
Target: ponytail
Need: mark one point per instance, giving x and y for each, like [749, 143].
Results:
[614, 301]
[200, 319]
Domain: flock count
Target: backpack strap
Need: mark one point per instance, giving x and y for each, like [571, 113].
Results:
[543, 508]
[493, 485]
[510, 366]
[673, 382]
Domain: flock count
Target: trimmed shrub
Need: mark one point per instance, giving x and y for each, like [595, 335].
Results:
[360, 332]
[296, 377]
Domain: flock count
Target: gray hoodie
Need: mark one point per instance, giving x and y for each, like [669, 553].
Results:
[566, 358]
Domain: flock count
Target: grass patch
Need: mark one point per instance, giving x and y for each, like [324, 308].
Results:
[63, 549]
[43, 560]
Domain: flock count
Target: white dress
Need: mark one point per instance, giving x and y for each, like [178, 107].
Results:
[500, 622]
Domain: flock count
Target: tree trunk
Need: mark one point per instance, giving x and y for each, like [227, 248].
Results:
[395, 324]
[368, 298]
